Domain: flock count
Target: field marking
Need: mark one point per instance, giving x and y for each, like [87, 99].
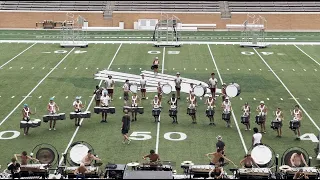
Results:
[254, 99]
[17, 56]
[158, 123]
[234, 117]
[281, 99]
[315, 70]
[77, 129]
[287, 90]
[307, 55]
[40, 82]
[309, 99]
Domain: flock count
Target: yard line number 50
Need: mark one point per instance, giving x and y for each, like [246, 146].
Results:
[143, 136]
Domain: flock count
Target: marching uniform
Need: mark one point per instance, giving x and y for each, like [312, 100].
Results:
[26, 117]
[245, 119]
[223, 92]
[52, 109]
[126, 90]
[77, 104]
[159, 89]
[226, 106]
[143, 84]
[155, 65]
[261, 117]
[178, 82]
[98, 93]
[134, 103]
[212, 85]
[210, 109]
[105, 99]
[278, 120]
[296, 122]
[192, 107]
[156, 104]
[110, 86]
[173, 109]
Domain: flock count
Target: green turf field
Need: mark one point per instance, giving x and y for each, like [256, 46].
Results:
[280, 75]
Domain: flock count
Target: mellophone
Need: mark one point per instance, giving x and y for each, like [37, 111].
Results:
[86, 114]
[60, 116]
[137, 109]
[109, 110]
[33, 124]
[309, 171]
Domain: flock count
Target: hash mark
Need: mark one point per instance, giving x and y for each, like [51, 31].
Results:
[32, 68]
[66, 97]
[21, 68]
[119, 97]
[227, 69]
[304, 69]
[238, 69]
[40, 97]
[315, 70]
[309, 99]
[43, 67]
[249, 69]
[293, 70]
[268, 99]
[65, 68]
[129, 68]
[195, 69]
[206, 69]
[254, 98]
[240, 98]
[281, 99]
[12, 97]
[76, 68]
[86, 68]
[10, 67]
[282, 70]
[260, 69]
[97, 68]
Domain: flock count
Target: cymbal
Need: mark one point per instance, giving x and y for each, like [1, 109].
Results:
[133, 164]
[187, 163]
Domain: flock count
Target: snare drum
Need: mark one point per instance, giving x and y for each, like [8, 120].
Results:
[173, 112]
[140, 110]
[166, 89]
[62, 116]
[262, 155]
[73, 115]
[96, 110]
[156, 111]
[226, 116]
[294, 124]
[233, 90]
[210, 112]
[134, 88]
[275, 124]
[199, 90]
[45, 118]
[23, 124]
[244, 119]
[191, 111]
[260, 119]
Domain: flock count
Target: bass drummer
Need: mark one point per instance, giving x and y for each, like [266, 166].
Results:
[213, 82]
[297, 116]
[227, 108]
[134, 104]
[173, 108]
[210, 109]
[192, 107]
[178, 82]
[261, 117]
[246, 116]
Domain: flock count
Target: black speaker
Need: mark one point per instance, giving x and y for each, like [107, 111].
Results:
[114, 171]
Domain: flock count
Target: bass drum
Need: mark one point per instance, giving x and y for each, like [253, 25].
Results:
[199, 91]
[233, 90]
[262, 155]
[166, 89]
[134, 88]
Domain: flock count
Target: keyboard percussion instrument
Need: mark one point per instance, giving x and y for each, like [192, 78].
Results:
[60, 116]
[86, 114]
[288, 171]
[254, 173]
[109, 110]
[93, 172]
[31, 123]
[35, 168]
[138, 109]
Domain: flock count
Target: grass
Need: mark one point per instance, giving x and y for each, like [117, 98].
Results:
[74, 77]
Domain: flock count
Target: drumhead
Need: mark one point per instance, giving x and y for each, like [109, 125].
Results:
[232, 91]
[37, 120]
[261, 154]
[166, 89]
[134, 88]
[29, 122]
[23, 122]
[78, 152]
[198, 90]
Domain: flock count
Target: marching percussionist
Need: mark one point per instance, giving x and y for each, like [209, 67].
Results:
[156, 104]
[77, 105]
[87, 160]
[279, 118]
[192, 107]
[246, 116]
[110, 86]
[248, 162]
[300, 175]
[81, 171]
[210, 109]
[215, 160]
[217, 173]
[297, 160]
[143, 83]
[126, 90]
[178, 82]
[173, 108]
[104, 102]
[26, 112]
[153, 157]
[24, 158]
[155, 66]
[52, 109]
[98, 93]
[297, 116]
[213, 82]
[261, 117]
[134, 104]
[223, 91]
[159, 90]
[227, 108]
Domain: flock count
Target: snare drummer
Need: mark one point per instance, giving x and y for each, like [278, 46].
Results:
[192, 106]
[159, 90]
[173, 107]
[297, 115]
[213, 82]
[134, 104]
[211, 106]
[52, 109]
[87, 160]
[297, 160]
[246, 113]
[126, 90]
[104, 102]
[223, 91]
[156, 104]
[227, 108]
[26, 112]
[248, 162]
[279, 118]
[143, 84]
[98, 93]
[178, 82]
[155, 65]
[262, 113]
[110, 86]
[77, 105]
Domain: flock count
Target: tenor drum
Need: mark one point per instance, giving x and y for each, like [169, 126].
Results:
[29, 124]
[111, 110]
[173, 112]
[166, 89]
[38, 122]
[233, 90]
[191, 111]
[34, 124]
[199, 91]
[275, 124]
[62, 116]
[86, 114]
[262, 155]
[77, 153]
[134, 88]
[96, 110]
[46, 118]
[244, 119]
[210, 112]
[73, 115]
[23, 124]
[156, 112]
[140, 110]
[226, 116]
[294, 124]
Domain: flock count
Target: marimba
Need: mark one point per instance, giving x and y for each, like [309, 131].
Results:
[312, 172]
[140, 110]
[200, 170]
[86, 114]
[254, 173]
[60, 116]
[35, 168]
[93, 172]
[109, 110]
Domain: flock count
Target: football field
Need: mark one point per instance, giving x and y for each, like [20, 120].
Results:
[280, 75]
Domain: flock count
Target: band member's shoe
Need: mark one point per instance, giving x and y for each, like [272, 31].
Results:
[49, 129]
[102, 121]
[54, 129]
[123, 142]
[129, 141]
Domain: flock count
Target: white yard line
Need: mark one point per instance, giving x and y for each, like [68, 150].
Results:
[307, 55]
[45, 77]
[88, 107]
[17, 56]
[234, 117]
[158, 124]
[294, 98]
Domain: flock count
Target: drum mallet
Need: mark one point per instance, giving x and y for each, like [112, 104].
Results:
[277, 162]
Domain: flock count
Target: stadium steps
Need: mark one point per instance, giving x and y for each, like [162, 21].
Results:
[107, 13]
[224, 10]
